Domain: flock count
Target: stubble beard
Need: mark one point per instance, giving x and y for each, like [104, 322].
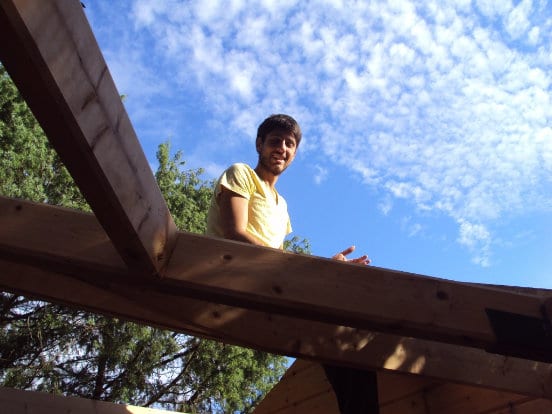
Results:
[276, 170]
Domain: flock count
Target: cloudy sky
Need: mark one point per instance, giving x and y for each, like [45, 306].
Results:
[427, 125]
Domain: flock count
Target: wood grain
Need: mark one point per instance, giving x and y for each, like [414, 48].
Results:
[62, 255]
[54, 59]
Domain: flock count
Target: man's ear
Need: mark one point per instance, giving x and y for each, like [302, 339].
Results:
[258, 144]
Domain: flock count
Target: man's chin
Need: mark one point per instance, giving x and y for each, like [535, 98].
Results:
[277, 170]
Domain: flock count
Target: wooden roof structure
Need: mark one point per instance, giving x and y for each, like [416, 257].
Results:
[425, 336]
[304, 389]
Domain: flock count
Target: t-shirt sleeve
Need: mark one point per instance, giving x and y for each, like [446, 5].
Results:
[237, 179]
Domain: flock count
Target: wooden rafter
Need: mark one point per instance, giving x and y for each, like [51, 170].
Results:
[64, 256]
[50, 52]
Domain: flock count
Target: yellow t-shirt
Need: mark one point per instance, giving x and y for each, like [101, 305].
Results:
[268, 218]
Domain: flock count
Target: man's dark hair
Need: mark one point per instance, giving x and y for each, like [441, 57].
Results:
[280, 122]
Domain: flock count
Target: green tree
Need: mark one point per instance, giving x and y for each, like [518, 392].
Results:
[52, 348]
[297, 245]
[186, 194]
[29, 168]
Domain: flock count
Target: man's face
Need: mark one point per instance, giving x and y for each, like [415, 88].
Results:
[277, 151]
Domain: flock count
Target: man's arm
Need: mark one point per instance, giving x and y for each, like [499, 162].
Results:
[234, 215]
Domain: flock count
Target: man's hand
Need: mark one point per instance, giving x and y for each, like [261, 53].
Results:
[364, 260]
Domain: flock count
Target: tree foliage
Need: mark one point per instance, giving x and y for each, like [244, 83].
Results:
[29, 168]
[187, 195]
[53, 348]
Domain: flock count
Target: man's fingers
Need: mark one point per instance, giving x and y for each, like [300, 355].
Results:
[348, 250]
[341, 256]
[362, 259]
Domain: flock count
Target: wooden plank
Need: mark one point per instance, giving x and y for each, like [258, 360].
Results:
[398, 394]
[460, 399]
[324, 403]
[56, 235]
[302, 381]
[55, 61]
[26, 227]
[272, 333]
[14, 401]
[393, 386]
[412, 404]
[336, 292]
[60, 255]
[305, 384]
[538, 406]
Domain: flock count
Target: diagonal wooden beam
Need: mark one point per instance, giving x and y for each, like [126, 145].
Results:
[64, 256]
[51, 54]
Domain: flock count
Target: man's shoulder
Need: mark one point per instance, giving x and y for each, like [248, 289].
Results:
[240, 169]
[240, 166]
[239, 178]
[239, 172]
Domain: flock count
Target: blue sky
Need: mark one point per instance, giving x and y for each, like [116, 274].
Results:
[427, 125]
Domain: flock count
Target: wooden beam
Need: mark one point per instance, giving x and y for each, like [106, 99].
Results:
[14, 401]
[308, 287]
[364, 297]
[64, 256]
[51, 54]
[282, 335]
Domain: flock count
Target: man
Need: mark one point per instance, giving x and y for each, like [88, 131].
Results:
[246, 207]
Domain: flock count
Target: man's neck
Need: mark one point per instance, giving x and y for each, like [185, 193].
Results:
[266, 176]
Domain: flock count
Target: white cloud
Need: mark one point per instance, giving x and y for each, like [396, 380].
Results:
[410, 227]
[494, 8]
[534, 35]
[146, 12]
[478, 239]
[385, 205]
[517, 22]
[439, 103]
[320, 175]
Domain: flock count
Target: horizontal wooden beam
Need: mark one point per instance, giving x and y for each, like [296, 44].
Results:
[51, 54]
[364, 297]
[306, 287]
[14, 401]
[63, 256]
[279, 334]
